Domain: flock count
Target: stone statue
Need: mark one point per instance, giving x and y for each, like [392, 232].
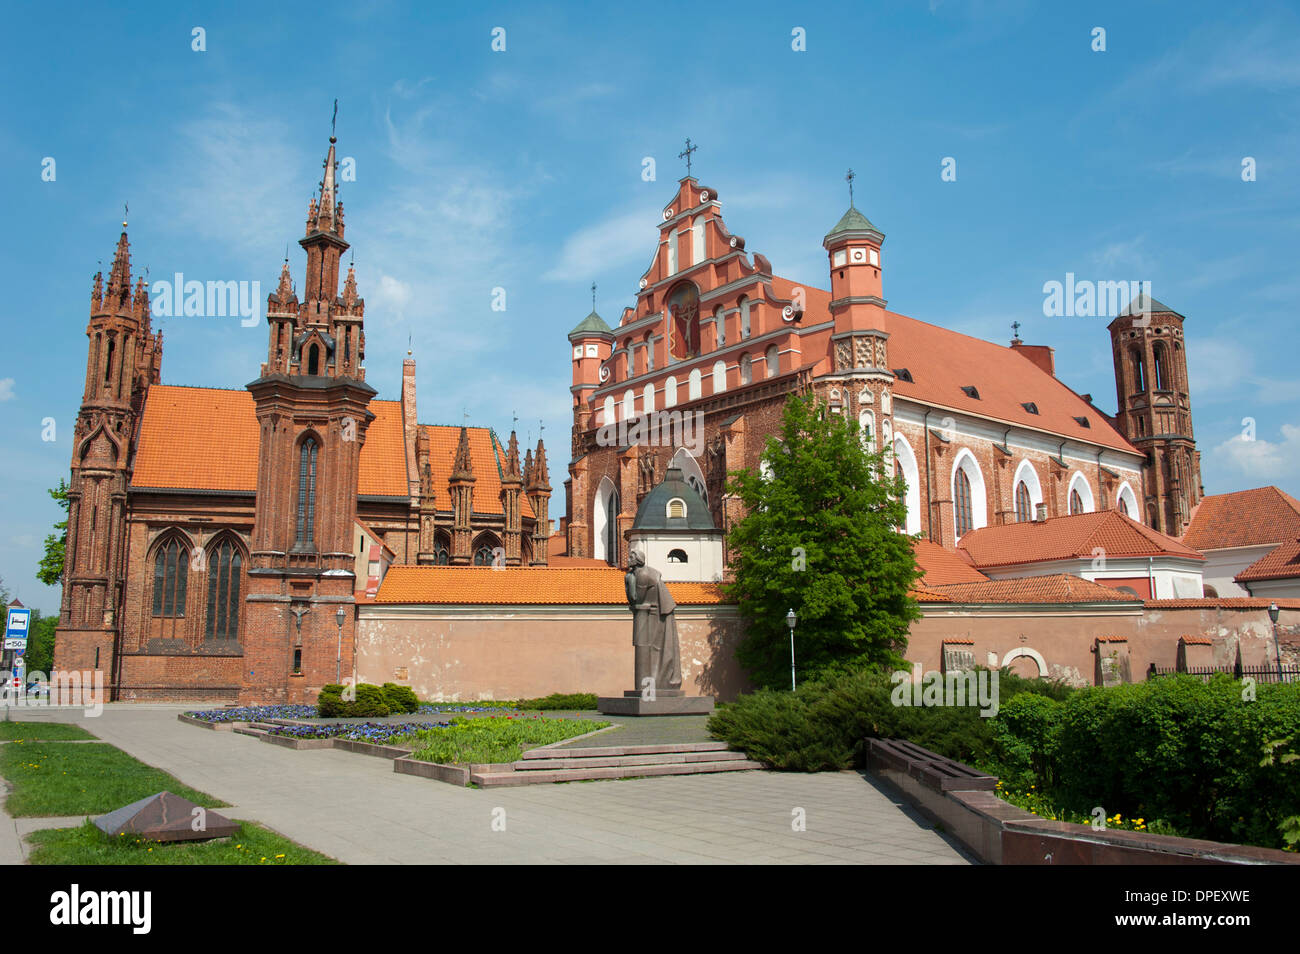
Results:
[654, 628]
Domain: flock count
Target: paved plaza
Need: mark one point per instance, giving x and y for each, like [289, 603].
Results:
[357, 809]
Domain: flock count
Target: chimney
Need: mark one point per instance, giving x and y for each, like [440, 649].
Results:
[1040, 512]
[1040, 355]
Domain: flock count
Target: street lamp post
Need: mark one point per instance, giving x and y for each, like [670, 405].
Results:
[1273, 614]
[338, 659]
[790, 621]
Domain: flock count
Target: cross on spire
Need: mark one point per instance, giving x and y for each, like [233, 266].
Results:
[1015, 331]
[126, 207]
[686, 154]
[593, 296]
[849, 177]
[334, 119]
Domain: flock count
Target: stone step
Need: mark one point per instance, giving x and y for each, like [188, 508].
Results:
[605, 751]
[254, 731]
[498, 779]
[609, 761]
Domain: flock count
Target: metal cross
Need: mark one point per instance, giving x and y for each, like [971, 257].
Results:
[1015, 329]
[686, 154]
[334, 118]
[125, 209]
[465, 415]
[849, 177]
[593, 296]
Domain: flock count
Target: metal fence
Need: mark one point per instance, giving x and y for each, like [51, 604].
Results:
[1258, 673]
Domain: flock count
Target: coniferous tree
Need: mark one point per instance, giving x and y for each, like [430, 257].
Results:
[821, 536]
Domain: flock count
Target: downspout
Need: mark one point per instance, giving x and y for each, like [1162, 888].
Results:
[929, 497]
[1151, 576]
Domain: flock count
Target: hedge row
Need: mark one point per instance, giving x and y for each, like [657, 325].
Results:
[369, 700]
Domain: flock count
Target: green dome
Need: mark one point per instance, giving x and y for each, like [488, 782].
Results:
[853, 221]
[592, 324]
[653, 512]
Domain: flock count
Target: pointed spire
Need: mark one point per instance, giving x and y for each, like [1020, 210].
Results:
[462, 467]
[119, 281]
[97, 291]
[528, 467]
[512, 459]
[285, 294]
[541, 477]
[350, 288]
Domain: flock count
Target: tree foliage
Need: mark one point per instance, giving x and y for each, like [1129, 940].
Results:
[50, 569]
[821, 535]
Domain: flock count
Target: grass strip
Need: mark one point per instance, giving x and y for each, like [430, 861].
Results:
[250, 845]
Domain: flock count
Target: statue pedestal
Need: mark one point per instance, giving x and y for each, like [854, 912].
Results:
[670, 702]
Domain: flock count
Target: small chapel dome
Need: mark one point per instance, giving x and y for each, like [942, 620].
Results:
[673, 505]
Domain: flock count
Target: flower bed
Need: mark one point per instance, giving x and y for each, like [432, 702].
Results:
[378, 733]
[255, 713]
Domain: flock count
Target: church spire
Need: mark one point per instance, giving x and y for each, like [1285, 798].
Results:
[119, 280]
[462, 467]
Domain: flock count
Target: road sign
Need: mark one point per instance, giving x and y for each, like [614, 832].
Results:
[16, 627]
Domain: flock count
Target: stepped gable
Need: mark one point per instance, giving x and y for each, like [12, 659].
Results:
[1069, 538]
[1243, 518]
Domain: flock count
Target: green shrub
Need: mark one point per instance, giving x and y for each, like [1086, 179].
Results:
[561, 700]
[400, 698]
[1024, 733]
[369, 701]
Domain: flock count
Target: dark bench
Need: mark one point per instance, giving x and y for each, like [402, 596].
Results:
[929, 768]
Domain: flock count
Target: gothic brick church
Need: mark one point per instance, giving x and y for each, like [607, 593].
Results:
[984, 434]
[218, 539]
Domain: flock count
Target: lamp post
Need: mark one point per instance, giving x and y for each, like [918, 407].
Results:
[338, 659]
[790, 621]
[1273, 614]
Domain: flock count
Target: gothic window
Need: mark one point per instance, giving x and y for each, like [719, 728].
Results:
[649, 353]
[629, 404]
[313, 360]
[1139, 371]
[648, 397]
[485, 546]
[867, 430]
[441, 549]
[719, 377]
[1076, 502]
[223, 592]
[744, 317]
[1123, 507]
[1024, 503]
[483, 556]
[720, 323]
[171, 566]
[670, 392]
[306, 532]
[607, 411]
[746, 369]
[1161, 366]
[108, 363]
[962, 502]
[694, 385]
[773, 362]
[611, 529]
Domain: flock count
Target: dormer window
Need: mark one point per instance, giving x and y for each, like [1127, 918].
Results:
[1082, 422]
[677, 509]
[903, 375]
[971, 391]
[1030, 406]
[677, 556]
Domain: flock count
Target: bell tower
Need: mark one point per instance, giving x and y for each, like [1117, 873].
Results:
[312, 405]
[1155, 411]
[124, 358]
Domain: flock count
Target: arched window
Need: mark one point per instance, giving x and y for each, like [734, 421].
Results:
[685, 461]
[649, 353]
[306, 532]
[746, 369]
[744, 317]
[485, 547]
[1024, 505]
[905, 462]
[629, 404]
[719, 377]
[694, 385]
[1126, 501]
[670, 392]
[313, 360]
[1123, 507]
[223, 592]
[1139, 370]
[171, 570]
[1076, 502]
[962, 503]
[605, 523]
[697, 240]
[672, 252]
[677, 556]
[607, 411]
[1080, 495]
[720, 323]
[108, 363]
[648, 398]
[773, 362]
[1161, 366]
[867, 429]
[676, 509]
[441, 549]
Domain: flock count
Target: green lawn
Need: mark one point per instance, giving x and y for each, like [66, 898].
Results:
[53, 778]
[492, 738]
[48, 731]
[250, 845]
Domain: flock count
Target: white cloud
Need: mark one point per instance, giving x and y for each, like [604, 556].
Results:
[1261, 459]
[624, 238]
[6, 389]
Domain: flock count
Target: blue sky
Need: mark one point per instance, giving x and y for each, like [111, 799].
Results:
[522, 169]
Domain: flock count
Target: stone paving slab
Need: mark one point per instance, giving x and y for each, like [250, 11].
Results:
[361, 812]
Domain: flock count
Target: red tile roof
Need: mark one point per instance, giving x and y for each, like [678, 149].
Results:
[207, 439]
[523, 585]
[1282, 563]
[1222, 602]
[1069, 538]
[1057, 588]
[1243, 518]
[943, 566]
[943, 361]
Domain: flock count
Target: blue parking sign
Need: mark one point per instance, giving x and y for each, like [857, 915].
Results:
[16, 627]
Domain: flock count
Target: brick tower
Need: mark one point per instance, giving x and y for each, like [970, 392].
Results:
[1155, 411]
[124, 358]
[312, 412]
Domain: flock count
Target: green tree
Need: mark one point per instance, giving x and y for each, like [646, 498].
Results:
[821, 536]
[40, 642]
[50, 570]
